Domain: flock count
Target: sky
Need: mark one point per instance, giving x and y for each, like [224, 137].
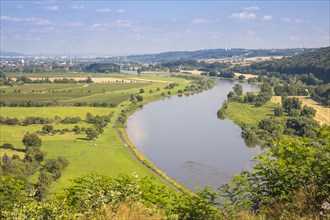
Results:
[140, 27]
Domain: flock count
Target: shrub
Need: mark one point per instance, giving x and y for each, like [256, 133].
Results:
[31, 140]
[7, 146]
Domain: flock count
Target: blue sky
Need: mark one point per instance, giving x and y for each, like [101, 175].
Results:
[138, 27]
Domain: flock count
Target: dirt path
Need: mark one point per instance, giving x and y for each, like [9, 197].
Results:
[322, 113]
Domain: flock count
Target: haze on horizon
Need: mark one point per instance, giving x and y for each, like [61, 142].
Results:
[140, 27]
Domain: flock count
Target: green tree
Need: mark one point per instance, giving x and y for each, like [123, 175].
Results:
[12, 192]
[238, 89]
[308, 111]
[46, 129]
[139, 98]
[31, 140]
[291, 104]
[91, 133]
[278, 111]
[241, 77]
[293, 166]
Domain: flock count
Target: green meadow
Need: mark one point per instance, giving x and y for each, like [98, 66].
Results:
[105, 155]
[248, 114]
[106, 92]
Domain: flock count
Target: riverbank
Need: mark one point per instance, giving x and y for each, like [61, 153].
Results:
[123, 133]
[202, 84]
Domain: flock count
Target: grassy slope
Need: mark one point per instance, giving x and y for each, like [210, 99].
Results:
[106, 155]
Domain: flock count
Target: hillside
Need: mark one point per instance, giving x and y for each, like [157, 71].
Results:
[214, 54]
[10, 54]
[316, 62]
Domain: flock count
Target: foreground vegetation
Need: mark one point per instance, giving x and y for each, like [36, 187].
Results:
[291, 180]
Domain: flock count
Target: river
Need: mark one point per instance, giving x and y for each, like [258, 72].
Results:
[184, 138]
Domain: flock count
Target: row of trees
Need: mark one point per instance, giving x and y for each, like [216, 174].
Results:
[56, 103]
[66, 120]
[21, 80]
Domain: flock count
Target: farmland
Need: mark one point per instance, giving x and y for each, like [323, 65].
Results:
[107, 154]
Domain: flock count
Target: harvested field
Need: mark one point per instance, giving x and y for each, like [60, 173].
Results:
[247, 76]
[195, 72]
[322, 113]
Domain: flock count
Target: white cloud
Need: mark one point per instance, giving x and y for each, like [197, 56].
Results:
[75, 24]
[103, 10]
[95, 26]
[243, 16]
[267, 18]
[44, 2]
[51, 8]
[27, 21]
[251, 8]
[98, 27]
[200, 21]
[120, 11]
[293, 20]
[78, 7]
[124, 23]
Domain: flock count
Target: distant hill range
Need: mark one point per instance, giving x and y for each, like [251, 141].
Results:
[214, 54]
[316, 61]
[10, 54]
[198, 54]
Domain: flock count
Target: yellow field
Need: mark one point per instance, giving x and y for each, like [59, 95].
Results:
[247, 76]
[322, 113]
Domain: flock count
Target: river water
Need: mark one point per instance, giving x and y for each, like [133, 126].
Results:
[184, 138]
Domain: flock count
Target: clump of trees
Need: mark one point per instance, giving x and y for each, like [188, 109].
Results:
[102, 68]
[291, 180]
[99, 122]
[260, 99]
[15, 172]
[49, 172]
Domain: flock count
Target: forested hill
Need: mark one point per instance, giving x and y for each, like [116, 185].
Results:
[316, 62]
[214, 54]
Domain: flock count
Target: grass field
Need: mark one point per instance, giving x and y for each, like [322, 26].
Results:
[106, 155]
[244, 113]
[115, 92]
[155, 73]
